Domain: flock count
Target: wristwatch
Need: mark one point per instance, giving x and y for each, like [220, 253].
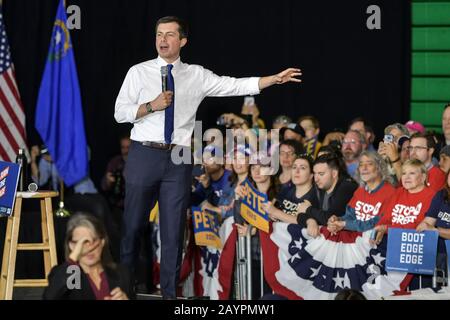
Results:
[148, 106]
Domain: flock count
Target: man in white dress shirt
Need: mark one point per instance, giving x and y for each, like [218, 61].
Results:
[164, 121]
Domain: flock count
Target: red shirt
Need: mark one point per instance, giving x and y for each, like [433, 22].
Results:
[436, 178]
[101, 293]
[104, 291]
[406, 210]
[367, 205]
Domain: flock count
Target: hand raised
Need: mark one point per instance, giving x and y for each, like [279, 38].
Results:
[288, 75]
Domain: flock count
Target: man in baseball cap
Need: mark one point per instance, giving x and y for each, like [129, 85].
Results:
[292, 132]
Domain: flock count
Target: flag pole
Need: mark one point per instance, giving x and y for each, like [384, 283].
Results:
[62, 212]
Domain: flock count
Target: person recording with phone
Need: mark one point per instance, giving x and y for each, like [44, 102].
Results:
[392, 151]
[251, 108]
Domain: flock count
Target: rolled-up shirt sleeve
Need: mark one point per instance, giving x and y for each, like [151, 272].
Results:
[216, 86]
[127, 104]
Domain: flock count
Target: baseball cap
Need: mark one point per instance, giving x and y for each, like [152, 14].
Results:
[294, 127]
[44, 149]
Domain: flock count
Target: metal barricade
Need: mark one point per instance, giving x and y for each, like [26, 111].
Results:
[243, 272]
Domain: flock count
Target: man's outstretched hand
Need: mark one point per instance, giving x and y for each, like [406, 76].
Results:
[288, 75]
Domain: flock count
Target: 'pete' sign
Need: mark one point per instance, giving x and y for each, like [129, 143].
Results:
[9, 177]
[251, 208]
[411, 251]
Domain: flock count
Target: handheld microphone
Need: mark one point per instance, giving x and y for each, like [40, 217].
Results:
[164, 74]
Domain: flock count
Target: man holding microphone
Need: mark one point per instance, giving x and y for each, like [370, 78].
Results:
[164, 121]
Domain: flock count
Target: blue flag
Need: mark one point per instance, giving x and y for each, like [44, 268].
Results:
[59, 113]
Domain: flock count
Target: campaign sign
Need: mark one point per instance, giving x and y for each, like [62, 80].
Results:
[251, 208]
[206, 228]
[9, 178]
[411, 251]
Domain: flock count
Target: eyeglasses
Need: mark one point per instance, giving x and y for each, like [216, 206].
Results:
[353, 141]
[416, 148]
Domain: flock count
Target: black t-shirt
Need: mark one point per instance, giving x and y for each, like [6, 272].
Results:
[287, 201]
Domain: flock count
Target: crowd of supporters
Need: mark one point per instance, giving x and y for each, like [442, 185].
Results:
[345, 181]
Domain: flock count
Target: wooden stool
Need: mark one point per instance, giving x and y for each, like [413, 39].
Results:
[11, 247]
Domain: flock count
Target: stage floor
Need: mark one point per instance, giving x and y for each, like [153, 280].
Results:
[36, 294]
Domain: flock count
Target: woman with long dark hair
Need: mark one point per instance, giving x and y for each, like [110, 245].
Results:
[290, 196]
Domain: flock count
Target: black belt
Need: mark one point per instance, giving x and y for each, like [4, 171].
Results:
[157, 145]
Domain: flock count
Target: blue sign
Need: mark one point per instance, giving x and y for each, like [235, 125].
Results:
[9, 178]
[411, 251]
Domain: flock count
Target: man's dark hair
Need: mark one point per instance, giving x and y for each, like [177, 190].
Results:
[182, 25]
[367, 128]
[349, 294]
[447, 106]
[334, 162]
[308, 159]
[331, 148]
[360, 119]
[431, 142]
